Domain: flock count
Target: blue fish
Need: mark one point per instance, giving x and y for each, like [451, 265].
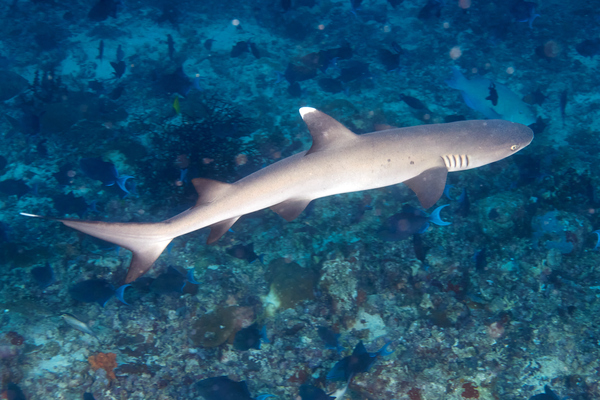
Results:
[13, 392]
[167, 282]
[119, 68]
[548, 395]
[88, 396]
[71, 204]
[103, 9]
[330, 338]
[432, 9]
[589, 47]
[309, 392]
[14, 187]
[104, 172]
[464, 204]
[250, 338]
[244, 252]
[93, 291]
[480, 259]
[360, 361]
[177, 82]
[524, 11]
[172, 281]
[223, 388]
[408, 222]
[43, 276]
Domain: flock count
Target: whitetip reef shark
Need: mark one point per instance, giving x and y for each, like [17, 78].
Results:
[339, 161]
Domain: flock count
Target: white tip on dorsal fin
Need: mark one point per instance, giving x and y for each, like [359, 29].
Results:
[305, 110]
[326, 132]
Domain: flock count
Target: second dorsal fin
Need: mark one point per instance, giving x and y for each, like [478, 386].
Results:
[326, 132]
[209, 190]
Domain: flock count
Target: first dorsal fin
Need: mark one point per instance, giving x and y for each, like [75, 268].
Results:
[209, 190]
[326, 132]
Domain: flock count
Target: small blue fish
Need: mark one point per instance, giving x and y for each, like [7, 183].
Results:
[14, 187]
[223, 388]
[13, 392]
[409, 222]
[177, 82]
[100, 50]
[548, 395]
[309, 392]
[171, 46]
[597, 246]
[589, 47]
[167, 282]
[464, 204]
[119, 68]
[103, 9]
[172, 281]
[71, 204]
[104, 172]
[250, 338]
[524, 11]
[88, 396]
[244, 252]
[480, 259]
[360, 361]
[330, 338]
[432, 9]
[43, 276]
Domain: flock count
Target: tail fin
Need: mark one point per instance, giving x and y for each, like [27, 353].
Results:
[145, 240]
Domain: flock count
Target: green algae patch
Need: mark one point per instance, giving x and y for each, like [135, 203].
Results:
[216, 327]
[289, 284]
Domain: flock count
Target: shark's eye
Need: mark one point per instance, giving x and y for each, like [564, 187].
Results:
[513, 147]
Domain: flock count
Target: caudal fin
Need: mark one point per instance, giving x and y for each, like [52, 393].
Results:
[145, 240]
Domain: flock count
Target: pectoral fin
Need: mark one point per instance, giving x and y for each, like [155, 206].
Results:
[290, 209]
[219, 229]
[429, 185]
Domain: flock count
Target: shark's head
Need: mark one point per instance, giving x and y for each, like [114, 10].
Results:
[485, 141]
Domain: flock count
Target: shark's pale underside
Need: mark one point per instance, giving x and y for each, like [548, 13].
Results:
[339, 161]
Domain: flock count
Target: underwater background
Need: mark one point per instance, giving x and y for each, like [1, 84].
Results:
[110, 107]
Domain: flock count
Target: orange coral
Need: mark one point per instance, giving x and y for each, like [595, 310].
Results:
[107, 362]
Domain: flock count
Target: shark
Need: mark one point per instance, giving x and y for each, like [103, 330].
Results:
[339, 161]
